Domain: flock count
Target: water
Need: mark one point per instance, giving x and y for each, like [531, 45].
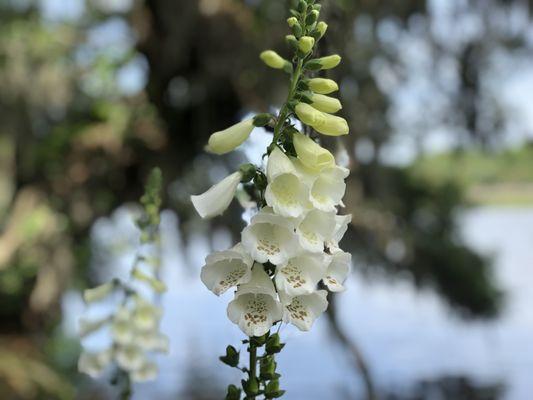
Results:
[405, 335]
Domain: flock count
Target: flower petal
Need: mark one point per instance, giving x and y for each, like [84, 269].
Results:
[229, 139]
[300, 274]
[302, 311]
[338, 270]
[217, 199]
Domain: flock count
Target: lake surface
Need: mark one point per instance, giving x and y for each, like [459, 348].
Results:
[406, 335]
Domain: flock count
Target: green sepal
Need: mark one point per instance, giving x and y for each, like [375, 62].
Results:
[311, 18]
[261, 183]
[251, 386]
[303, 84]
[292, 41]
[233, 393]
[313, 65]
[287, 67]
[317, 7]
[262, 119]
[273, 344]
[294, 13]
[272, 390]
[267, 368]
[231, 358]
[302, 6]
[306, 97]
[259, 340]
[297, 30]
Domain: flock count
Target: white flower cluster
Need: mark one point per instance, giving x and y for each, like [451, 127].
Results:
[290, 245]
[134, 332]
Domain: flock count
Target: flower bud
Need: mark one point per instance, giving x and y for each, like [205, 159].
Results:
[98, 293]
[229, 139]
[311, 154]
[292, 41]
[306, 44]
[322, 85]
[292, 21]
[309, 115]
[273, 59]
[325, 103]
[321, 27]
[218, 197]
[312, 17]
[332, 126]
[327, 62]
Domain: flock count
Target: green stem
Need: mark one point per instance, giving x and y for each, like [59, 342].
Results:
[252, 372]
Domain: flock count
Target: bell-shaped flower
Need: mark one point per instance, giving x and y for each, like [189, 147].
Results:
[311, 154]
[152, 341]
[122, 331]
[341, 226]
[94, 364]
[273, 59]
[315, 229]
[270, 237]
[229, 139]
[225, 269]
[218, 198]
[323, 85]
[300, 274]
[328, 189]
[285, 193]
[255, 307]
[322, 27]
[147, 372]
[326, 104]
[130, 357]
[339, 266]
[302, 311]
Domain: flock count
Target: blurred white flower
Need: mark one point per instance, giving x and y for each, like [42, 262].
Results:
[328, 188]
[147, 372]
[94, 364]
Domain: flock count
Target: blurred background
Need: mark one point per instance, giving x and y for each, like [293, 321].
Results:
[439, 97]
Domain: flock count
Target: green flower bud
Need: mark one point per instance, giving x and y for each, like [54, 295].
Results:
[251, 386]
[322, 27]
[297, 30]
[329, 62]
[311, 18]
[273, 59]
[267, 368]
[302, 6]
[323, 86]
[273, 344]
[292, 41]
[292, 21]
[325, 103]
[306, 44]
[233, 393]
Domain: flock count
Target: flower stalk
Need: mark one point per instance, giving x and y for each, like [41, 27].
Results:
[290, 250]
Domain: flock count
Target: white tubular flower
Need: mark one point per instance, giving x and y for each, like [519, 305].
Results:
[255, 308]
[270, 237]
[300, 274]
[332, 125]
[229, 139]
[218, 198]
[225, 269]
[302, 311]
[94, 364]
[311, 154]
[285, 192]
[130, 357]
[328, 189]
[338, 269]
[147, 372]
[341, 226]
[122, 331]
[315, 229]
